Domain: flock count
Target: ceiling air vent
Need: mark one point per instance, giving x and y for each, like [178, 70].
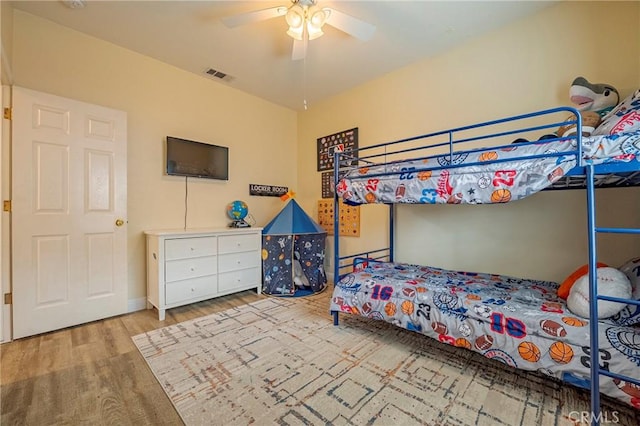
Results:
[218, 74]
[74, 4]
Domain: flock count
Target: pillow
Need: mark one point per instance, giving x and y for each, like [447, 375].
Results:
[565, 286]
[611, 282]
[625, 117]
[630, 314]
[632, 269]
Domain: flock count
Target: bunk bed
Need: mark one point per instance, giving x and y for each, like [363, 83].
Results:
[520, 322]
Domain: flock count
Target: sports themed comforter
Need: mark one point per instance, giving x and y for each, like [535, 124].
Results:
[483, 180]
[519, 322]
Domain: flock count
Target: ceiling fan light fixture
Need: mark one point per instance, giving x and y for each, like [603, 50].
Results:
[313, 32]
[316, 16]
[295, 16]
[295, 33]
[309, 17]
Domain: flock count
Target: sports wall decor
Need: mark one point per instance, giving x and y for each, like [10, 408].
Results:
[327, 184]
[349, 218]
[267, 190]
[327, 145]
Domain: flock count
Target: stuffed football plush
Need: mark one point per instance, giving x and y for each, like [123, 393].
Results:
[611, 282]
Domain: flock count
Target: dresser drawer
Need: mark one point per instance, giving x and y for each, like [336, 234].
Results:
[186, 266]
[244, 278]
[195, 288]
[182, 248]
[236, 261]
[183, 269]
[239, 243]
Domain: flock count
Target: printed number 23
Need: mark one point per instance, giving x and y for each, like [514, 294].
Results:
[429, 196]
[372, 184]
[504, 177]
[406, 173]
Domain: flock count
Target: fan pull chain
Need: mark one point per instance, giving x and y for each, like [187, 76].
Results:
[304, 81]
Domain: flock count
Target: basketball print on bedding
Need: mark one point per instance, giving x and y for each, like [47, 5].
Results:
[529, 351]
[574, 322]
[407, 307]
[561, 353]
[501, 196]
[461, 342]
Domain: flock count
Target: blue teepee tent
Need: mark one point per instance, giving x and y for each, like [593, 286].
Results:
[293, 247]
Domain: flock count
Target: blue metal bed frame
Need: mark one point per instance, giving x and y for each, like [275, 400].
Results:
[585, 174]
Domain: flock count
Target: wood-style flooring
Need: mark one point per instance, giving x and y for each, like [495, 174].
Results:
[93, 374]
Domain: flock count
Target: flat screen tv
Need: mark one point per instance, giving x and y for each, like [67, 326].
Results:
[197, 159]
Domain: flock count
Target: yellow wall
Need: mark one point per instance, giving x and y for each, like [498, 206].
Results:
[525, 66]
[6, 36]
[6, 26]
[162, 100]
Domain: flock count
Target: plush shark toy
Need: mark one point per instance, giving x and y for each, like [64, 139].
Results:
[600, 98]
[593, 101]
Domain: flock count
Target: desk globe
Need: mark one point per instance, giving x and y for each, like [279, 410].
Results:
[237, 210]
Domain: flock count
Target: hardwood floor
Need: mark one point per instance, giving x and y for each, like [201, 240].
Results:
[93, 374]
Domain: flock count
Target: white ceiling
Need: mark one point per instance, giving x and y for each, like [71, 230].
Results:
[190, 35]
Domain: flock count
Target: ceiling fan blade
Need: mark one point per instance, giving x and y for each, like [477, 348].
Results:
[350, 25]
[299, 48]
[255, 16]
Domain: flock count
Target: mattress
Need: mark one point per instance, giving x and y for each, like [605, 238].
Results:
[519, 322]
[490, 175]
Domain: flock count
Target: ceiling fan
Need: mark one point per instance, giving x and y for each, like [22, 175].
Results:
[305, 19]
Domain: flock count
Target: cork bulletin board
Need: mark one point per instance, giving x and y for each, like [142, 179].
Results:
[349, 218]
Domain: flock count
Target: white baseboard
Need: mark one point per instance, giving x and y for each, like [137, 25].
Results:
[138, 304]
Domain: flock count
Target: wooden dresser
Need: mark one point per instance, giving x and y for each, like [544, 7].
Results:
[189, 266]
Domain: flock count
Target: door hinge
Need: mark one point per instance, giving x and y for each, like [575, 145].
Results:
[6, 205]
[8, 298]
[8, 113]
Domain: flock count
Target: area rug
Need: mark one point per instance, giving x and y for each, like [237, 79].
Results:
[282, 361]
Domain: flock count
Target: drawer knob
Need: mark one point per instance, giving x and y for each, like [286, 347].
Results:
[192, 269]
[192, 249]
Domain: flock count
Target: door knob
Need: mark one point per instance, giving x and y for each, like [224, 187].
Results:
[119, 222]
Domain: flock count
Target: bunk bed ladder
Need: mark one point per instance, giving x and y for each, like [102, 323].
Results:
[593, 230]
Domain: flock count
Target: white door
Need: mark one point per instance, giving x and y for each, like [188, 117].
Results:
[69, 205]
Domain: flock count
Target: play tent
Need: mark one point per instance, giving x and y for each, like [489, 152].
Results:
[293, 247]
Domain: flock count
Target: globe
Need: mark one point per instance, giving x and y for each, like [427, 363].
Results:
[237, 210]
